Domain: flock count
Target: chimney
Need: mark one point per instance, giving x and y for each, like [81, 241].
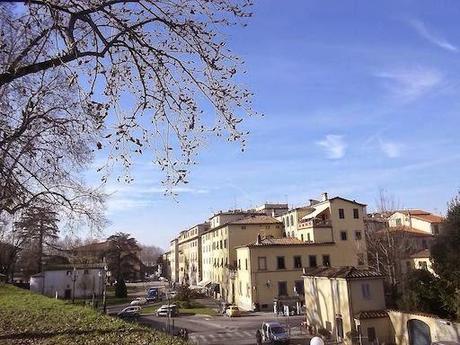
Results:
[323, 196]
[259, 239]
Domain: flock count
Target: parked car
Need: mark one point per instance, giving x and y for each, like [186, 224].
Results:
[129, 312]
[274, 333]
[139, 301]
[233, 311]
[166, 310]
[152, 294]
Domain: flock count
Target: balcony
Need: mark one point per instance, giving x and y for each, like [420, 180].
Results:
[315, 223]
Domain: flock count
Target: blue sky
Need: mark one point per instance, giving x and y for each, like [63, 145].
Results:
[357, 96]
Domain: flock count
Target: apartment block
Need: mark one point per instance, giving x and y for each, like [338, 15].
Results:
[219, 242]
[336, 220]
[189, 254]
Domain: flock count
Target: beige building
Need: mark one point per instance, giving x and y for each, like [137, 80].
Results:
[347, 302]
[335, 220]
[416, 220]
[173, 261]
[189, 254]
[269, 272]
[228, 231]
[420, 260]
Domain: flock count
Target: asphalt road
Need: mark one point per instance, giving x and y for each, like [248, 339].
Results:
[217, 330]
[221, 330]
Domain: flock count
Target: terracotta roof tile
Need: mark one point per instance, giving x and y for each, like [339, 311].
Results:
[406, 229]
[347, 272]
[432, 218]
[257, 219]
[371, 314]
[283, 241]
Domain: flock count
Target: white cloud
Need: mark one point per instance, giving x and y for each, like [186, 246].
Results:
[391, 149]
[334, 145]
[423, 31]
[411, 83]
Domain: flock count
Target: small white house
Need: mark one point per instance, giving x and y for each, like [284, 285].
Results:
[67, 281]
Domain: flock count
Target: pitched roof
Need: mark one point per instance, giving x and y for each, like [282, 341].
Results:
[346, 272]
[425, 253]
[371, 314]
[406, 230]
[257, 219]
[412, 212]
[432, 218]
[283, 241]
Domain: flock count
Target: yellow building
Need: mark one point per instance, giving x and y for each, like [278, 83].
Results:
[228, 231]
[189, 254]
[348, 303]
[335, 220]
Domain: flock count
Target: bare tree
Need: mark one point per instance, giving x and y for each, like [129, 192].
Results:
[387, 247]
[150, 67]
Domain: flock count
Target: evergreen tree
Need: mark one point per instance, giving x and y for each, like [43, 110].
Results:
[446, 258]
[120, 288]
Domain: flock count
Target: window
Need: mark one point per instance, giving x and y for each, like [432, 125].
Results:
[298, 286]
[308, 237]
[366, 290]
[240, 288]
[358, 235]
[282, 289]
[371, 334]
[301, 237]
[248, 289]
[287, 221]
[360, 259]
[222, 262]
[423, 265]
[246, 264]
[262, 263]
[312, 260]
[326, 260]
[398, 221]
[239, 264]
[243, 227]
[292, 220]
[280, 263]
[355, 213]
[221, 246]
[226, 262]
[267, 226]
[341, 213]
[297, 261]
[343, 235]
[225, 243]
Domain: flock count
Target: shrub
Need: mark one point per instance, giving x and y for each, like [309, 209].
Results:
[324, 332]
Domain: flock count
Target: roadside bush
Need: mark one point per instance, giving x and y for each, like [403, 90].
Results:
[324, 333]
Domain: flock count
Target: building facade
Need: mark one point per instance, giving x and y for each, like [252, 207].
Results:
[80, 281]
[347, 303]
[219, 244]
[189, 254]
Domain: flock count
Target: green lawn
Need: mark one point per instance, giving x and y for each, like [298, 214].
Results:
[28, 318]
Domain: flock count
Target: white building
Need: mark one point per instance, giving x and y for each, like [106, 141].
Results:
[67, 281]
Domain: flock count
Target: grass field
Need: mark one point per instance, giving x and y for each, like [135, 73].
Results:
[27, 318]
